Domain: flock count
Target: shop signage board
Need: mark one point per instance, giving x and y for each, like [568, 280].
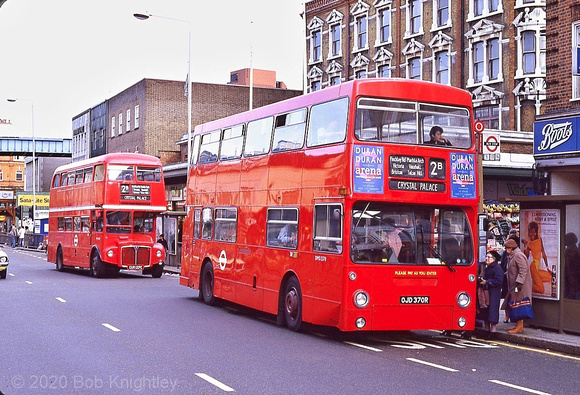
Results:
[557, 136]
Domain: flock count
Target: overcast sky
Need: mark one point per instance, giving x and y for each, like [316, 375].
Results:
[65, 56]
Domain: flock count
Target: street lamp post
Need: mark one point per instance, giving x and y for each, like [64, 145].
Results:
[33, 161]
[146, 16]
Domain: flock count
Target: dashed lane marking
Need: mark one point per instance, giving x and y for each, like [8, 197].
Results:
[519, 387]
[28, 282]
[433, 365]
[111, 327]
[60, 299]
[365, 347]
[215, 382]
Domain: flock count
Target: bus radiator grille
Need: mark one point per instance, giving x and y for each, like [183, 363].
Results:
[135, 255]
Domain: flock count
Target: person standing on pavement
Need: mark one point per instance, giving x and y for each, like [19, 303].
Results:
[14, 234]
[519, 279]
[21, 233]
[492, 281]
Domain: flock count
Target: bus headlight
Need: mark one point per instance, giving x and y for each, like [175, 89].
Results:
[463, 300]
[110, 253]
[360, 322]
[361, 299]
[461, 322]
[158, 253]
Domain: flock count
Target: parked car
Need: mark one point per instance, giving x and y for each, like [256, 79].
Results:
[3, 264]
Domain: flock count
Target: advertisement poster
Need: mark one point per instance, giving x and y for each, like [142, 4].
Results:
[463, 169]
[540, 241]
[368, 169]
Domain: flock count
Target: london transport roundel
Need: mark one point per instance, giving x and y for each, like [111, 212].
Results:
[478, 126]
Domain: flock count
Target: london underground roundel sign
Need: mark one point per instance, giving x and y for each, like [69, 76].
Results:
[478, 126]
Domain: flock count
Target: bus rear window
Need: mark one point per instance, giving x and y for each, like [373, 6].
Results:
[120, 173]
[149, 174]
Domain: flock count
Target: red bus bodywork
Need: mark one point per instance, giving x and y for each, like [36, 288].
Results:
[103, 212]
[350, 285]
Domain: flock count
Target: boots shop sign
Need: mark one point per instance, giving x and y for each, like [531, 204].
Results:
[557, 136]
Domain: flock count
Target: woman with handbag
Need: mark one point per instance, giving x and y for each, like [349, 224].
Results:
[519, 282]
[491, 282]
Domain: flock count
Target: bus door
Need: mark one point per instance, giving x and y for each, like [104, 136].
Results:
[81, 240]
[96, 231]
[328, 258]
[225, 236]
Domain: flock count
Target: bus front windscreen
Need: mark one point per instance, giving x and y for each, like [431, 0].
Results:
[387, 234]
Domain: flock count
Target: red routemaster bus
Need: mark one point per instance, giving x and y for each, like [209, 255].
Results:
[103, 212]
[336, 209]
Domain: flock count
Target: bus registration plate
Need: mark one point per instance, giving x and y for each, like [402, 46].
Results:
[131, 267]
[414, 300]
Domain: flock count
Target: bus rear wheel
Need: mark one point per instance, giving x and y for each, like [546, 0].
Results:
[59, 262]
[97, 266]
[293, 304]
[206, 289]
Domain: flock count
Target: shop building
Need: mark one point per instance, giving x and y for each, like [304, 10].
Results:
[556, 206]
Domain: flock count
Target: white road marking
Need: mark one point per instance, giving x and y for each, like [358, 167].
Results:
[518, 387]
[28, 282]
[111, 327]
[432, 365]
[10, 274]
[60, 299]
[365, 347]
[213, 381]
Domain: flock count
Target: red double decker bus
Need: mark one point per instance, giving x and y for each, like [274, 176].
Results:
[103, 214]
[337, 208]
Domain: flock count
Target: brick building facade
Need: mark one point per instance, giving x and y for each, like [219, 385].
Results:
[151, 116]
[493, 48]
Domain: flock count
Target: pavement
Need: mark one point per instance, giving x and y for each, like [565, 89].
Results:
[532, 337]
[535, 337]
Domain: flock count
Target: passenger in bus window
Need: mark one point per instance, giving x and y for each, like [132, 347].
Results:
[436, 137]
[392, 240]
[287, 235]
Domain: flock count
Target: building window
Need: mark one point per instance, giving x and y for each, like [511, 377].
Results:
[442, 12]
[384, 25]
[19, 175]
[414, 67]
[493, 5]
[361, 26]
[442, 67]
[120, 123]
[316, 42]
[128, 120]
[335, 80]
[384, 71]
[335, 40]
[489, 115]
[136, 114]
[113, 126]
[1, 175]
[315, 86]
[478, 7]
[359, 74]
[493, 58]
[478, 62]
[529, 52]
[415, 16]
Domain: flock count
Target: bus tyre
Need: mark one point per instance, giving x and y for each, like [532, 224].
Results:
[206, 289]
[97, 266]
[59, 264]
[293, 304]
[157, 271]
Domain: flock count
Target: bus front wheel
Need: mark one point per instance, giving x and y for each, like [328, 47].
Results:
[59, 264]
[97, 266]
[293, 304]
[206, 288]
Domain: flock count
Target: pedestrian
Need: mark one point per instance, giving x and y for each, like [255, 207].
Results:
[13, 234]
[21, 233]
[161, 240]
[492, 281]
[572, 267]
[519, 280]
